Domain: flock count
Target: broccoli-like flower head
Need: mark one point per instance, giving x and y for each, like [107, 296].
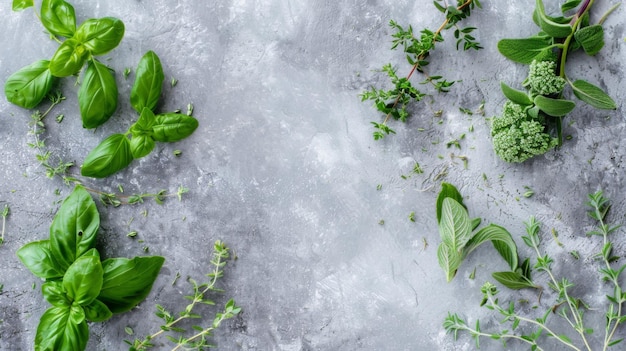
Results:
[543, 79]
[518, 137]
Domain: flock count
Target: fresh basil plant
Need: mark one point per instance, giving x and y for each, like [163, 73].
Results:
[118, 150]
[96, 36]
[79, 285]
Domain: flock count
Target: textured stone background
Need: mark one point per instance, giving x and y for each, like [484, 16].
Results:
[283, 168]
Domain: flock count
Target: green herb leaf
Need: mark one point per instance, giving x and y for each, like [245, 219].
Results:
[141, 145]
[83, 278]
[56, 331]
[590, 38]
[148, 82]
[512, 280]
[28, 86]
[569, 5]
[37, 257]
[128, 281]
[500, 238]
[144, 124]
[97, 311]
[55, 294]
[113, 154]
[593, 95]
[447, 190]
[524, 50]
[100, 35]
[19, 5]
[554, 107]
[74, 228]
[455, 225]
[172, 127]
[548, 25]
[97, 96]
[68, 59]
[517, 96]
[58, 17]
[449, 260]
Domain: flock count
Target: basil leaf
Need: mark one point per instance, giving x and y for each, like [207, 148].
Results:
[144, 124]
[97, 311]
[37, 257]
[593, 95]
[455, 225]
[74, 228]
[83, 279]
[447, 190]
[141, 145]
[128, 281]
[512, 280]
[100, 35]
[517, 96]
[54, 293]
[148, 82]
[58, 17]
[449, 260]
[28, 86]
[56, 331]
[112, 155]
[590, 38]
[554, 107]
[97, 96]
[19, 5]
[172, 127]
[68, 59]
[524, 50]
[77, 314]
[500, 238]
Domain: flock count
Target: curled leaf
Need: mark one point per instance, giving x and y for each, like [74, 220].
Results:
[112, 155]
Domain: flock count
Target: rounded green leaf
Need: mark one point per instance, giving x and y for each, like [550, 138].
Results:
[554, 107]
[112, 155]
[55, 294]
[56, 331]
[593, 95]
[74, 228]
[148, 82]
[37, 257]
[97, 96]
[141, 145]
[83, 279]
[447, 190]
[172, 127]
[591, 38]
[28, 86]
[517, 96]
[144, 124]
[524, 50]
[97, 311]
[100, 35]
[128, 281]
[68, 59]
[58, 17]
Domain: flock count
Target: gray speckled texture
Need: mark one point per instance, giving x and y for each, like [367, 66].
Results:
[283, 168]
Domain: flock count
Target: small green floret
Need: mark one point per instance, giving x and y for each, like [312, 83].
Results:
[542, 78]
[517, 136]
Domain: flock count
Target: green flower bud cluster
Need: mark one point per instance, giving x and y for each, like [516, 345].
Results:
[542, 78]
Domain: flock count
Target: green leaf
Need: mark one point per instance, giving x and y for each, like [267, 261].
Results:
[148, 82]
[83, 280]
[28, 86]
[455, 225]
[569, 5]
[58, 17]
[97, 311]
[112, 155]
[524, 50]
[141, 145]
[512, 280]
[502, 241]
[590, 38]
[37, 257]
[449, 260]
[97, 96]
[100, 35]
[56, 331]
[593, 95]
[54, 293]
[172, 127]
[68, 59]
[548, 25]
[19, 5]
[517, 96]
[128, 281]
[144, 124]
[77, 314]
[554, 107]
[74, 228]
[447, 190]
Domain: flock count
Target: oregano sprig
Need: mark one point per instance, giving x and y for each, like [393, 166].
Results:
[394, 103]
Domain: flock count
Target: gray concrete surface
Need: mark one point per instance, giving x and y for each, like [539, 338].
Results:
[283, 168]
